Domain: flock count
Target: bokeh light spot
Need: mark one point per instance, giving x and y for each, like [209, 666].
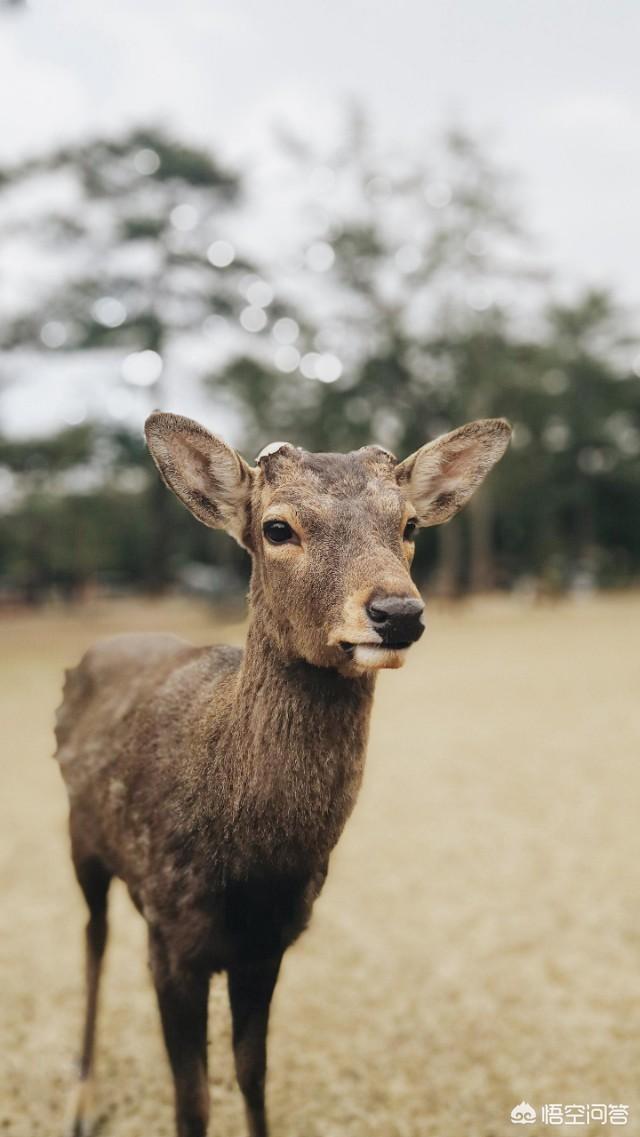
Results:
[320, 256]
[479, 297]
[109, 312]
[287, 358]
[253, 319]
[184, 217]
[221, 254]
[260, 294]
[142, 368]
[214, 325]
[592, 460]
[75, 414]
[309, 363]
[328, 367]
[146, 161]
[286, 330]
[53, 334]
[556, 435]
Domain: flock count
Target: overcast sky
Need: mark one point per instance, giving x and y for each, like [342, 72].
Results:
[555, 84]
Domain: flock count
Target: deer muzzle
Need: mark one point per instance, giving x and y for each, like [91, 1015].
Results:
[388, 625]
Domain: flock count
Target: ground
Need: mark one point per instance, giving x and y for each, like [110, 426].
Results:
[478, 941]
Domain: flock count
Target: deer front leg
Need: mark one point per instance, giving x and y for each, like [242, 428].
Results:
[183, 997]
[250, 990]
[94, 880]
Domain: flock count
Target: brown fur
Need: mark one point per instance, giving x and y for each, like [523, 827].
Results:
[215, 783]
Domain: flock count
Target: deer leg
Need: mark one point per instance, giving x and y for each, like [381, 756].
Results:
[183, 997]
[250, 989]
[94, 880]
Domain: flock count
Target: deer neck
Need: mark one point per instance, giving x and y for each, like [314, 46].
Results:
[300, 735]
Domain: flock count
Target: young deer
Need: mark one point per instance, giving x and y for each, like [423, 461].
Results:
[214, 782]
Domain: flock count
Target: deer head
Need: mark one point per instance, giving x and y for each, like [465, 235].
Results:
[331, 535]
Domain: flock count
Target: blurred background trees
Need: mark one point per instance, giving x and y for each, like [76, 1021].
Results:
[401, 298]
[136, 264]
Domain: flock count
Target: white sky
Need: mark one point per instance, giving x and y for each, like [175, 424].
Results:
[554, 83]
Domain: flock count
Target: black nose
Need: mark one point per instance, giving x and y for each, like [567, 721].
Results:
[397, 619]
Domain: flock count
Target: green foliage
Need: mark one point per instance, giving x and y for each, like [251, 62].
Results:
[48, 455]
[472, 354]
[85, 512]
[131, 279]
[128, 191]
[430, 308]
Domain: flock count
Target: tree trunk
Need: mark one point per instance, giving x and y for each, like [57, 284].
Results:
[481, 567]
[158, 575]
[158, 568]
[447, 576]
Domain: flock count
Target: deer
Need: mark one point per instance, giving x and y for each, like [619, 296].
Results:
[216, 782]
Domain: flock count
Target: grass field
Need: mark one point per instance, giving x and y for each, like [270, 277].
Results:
[478, 941]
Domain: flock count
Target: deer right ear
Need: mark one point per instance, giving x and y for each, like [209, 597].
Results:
[441, 477]
[209, 477]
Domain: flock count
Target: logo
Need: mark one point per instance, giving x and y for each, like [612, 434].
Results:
[523, 1114]
[554, 1113]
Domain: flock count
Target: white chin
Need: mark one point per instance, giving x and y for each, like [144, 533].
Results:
[374, 658]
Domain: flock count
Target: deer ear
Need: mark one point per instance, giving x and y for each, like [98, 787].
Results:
[441, 477]
[209, 477]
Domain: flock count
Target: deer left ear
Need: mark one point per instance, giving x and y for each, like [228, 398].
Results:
[441, 477]
[209, 477]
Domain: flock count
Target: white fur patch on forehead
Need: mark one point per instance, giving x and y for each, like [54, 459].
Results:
[380, 449]
[273, 448]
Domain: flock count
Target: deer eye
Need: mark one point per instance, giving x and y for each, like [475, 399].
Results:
[278, 532]
[410, 528]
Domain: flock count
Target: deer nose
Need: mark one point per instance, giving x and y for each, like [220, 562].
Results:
[397, 619]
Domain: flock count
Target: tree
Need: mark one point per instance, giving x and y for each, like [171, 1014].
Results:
[582, 436]
[132, 257]
[402, 298]
[406, 321]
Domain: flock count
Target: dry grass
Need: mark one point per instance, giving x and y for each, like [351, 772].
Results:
[479, 937]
